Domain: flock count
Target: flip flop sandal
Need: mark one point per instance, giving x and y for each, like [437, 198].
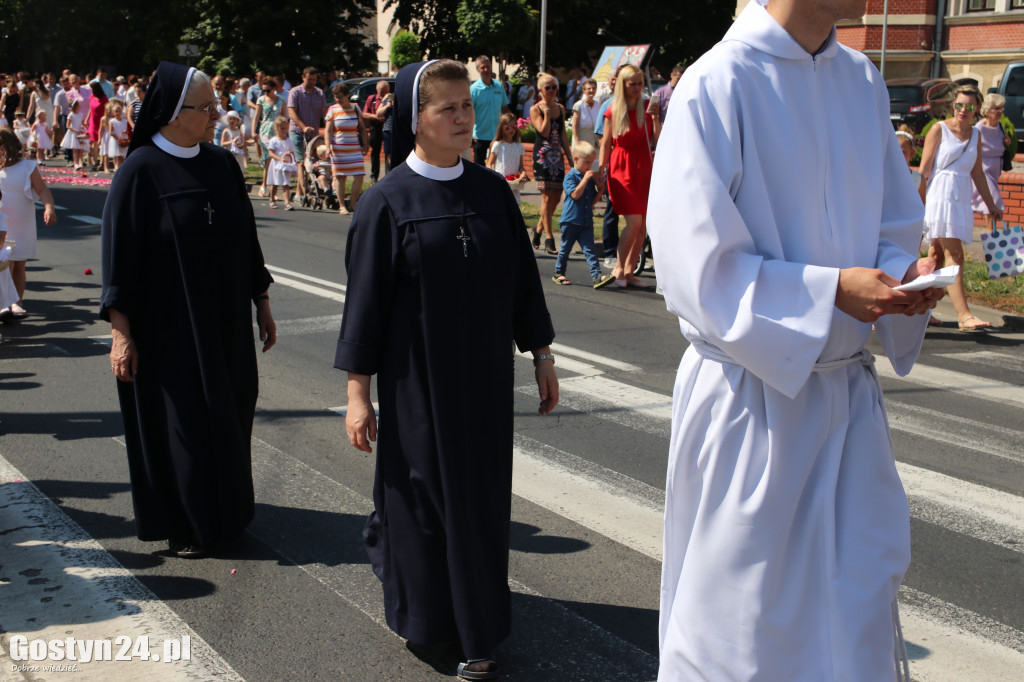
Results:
[960, 324]
[490, 674]
[273, 204]
[600, 282]
[560, 279]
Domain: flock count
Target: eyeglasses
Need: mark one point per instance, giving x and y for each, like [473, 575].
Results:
[960, 106]
[210, 109]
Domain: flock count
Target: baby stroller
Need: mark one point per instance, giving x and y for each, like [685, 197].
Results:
[317, 197]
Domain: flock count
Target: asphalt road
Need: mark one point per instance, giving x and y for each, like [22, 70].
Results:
[295, 598]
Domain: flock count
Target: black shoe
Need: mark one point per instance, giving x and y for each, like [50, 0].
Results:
[536, 240]
[549, 246]
[186, 549]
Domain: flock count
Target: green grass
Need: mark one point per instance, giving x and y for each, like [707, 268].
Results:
[531, 215]
[1005, 294]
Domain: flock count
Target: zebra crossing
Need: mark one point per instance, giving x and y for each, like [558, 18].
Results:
[606, 518]
[962, 645]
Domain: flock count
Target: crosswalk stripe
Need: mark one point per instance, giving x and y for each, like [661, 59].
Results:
[624, 510]
[957, 382]
[308, 325]
[87, 219]
[989, 439]
[98, 597]
[285, 481]
[989, 358]
[309, 288]
[309, 278]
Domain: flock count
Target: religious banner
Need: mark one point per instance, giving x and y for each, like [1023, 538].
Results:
[615, 56]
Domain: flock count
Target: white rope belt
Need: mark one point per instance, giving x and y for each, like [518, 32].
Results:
[712, 352]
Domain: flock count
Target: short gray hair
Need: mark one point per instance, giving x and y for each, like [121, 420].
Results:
[993, 100]
[198, 80]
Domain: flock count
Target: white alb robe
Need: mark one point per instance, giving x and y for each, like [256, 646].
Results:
[786, 525]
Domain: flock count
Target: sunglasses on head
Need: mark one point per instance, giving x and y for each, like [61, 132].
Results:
[960, 106]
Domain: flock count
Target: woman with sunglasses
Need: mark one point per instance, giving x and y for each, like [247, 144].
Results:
[268, 107]
[548, 117]
[950, 162]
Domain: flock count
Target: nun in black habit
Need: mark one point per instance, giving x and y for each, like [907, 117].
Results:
[441, 281]
[182, 267]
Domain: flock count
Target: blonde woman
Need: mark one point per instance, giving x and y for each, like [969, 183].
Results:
[626, 159]
[548, 117]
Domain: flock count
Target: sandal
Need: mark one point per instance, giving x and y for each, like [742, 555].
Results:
[549, 246]
[973, 328]
[604, 281]
[560, 279]
[489, 671]
[17, 312]
[289, 207]
[273, 203]
[536, 240]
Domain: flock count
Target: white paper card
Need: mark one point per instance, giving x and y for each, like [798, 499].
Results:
[936, 280]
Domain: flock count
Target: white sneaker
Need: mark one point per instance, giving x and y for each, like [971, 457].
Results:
[611, 262]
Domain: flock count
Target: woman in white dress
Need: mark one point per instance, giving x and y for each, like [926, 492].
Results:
[950, 162]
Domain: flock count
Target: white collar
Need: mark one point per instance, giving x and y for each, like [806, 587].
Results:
[421, 167]
[175, 150]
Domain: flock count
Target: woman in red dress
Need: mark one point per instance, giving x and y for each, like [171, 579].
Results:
[626, 159]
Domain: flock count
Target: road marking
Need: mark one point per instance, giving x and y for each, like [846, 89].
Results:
[309, 278]
[989, 439]
[87, 219]
[343, 409]
[95, 596]
[990, 358]
[309, 288]
[983, 513]
[607, 502]
[303, 282]
[40, 204]
[957, 382]
[946, 642]
[308, 325]
[286, 482]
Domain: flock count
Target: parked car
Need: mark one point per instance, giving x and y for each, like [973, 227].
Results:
[1012, 88]
[361, 88]
[915, 101]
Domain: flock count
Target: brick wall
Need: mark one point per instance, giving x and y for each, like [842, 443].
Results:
[897, 38]
[1011, 186]
[902, 7]
[1008, 36]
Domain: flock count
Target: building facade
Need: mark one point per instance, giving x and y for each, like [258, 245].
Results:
[965, 40]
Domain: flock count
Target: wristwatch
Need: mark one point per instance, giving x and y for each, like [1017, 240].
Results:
[543, 356]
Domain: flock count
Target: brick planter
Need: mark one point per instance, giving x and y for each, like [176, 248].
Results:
[1011, 186]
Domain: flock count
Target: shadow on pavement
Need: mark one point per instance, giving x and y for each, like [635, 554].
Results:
[531, 540]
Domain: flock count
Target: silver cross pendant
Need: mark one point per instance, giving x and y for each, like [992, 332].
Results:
[465, 239]
[209, 213]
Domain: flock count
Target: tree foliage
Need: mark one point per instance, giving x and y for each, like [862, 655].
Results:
[405, 49]
[678, 31]
[128, 36]
[500, 28]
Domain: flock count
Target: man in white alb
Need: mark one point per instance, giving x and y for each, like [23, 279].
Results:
[783, 215]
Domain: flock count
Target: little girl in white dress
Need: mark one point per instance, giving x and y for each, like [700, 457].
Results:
[41, 133]
[76, 130]
[117, 129]
[282, 165]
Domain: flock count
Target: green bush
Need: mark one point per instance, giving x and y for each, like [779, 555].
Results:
[405, 49]
[529, 134]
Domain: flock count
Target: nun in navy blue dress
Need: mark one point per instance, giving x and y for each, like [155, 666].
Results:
[442, 281]
[182, 267]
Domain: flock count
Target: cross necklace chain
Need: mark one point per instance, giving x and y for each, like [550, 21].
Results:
[209, 213]
[462, 236]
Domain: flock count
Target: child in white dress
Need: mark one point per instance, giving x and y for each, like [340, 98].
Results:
[506, 155]
[21, 128]
[20, 186]
[8, 293]
[282, 164]
[117, 136]
[104, 144]
[233, 138]
[41, 131]
[72, 138]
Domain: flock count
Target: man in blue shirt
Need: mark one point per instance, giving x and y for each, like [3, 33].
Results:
[101, 78]
[489, 102]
